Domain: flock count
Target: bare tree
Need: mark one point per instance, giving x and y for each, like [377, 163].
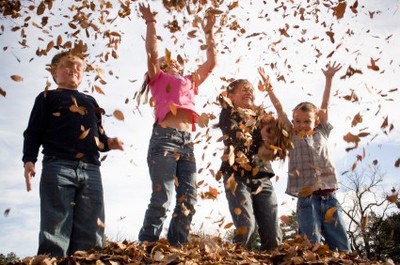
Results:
[366, 206]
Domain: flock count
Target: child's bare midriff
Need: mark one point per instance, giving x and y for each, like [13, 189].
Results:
[181, 121]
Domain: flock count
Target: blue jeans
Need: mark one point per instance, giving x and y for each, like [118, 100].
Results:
[172, 166]
[71, 207]
[314, 224]
[251, 209]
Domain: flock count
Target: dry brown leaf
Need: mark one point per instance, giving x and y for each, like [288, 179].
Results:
[98, 89]
[119, 115]
[392, 198]
[339, 10]
[172, 108]
[17, 78]
[307, 191]
[329, 215]
[203, 120]
[373, 65]
[285, 219]
[2, 92]
[356, 120]
[385, 123]
[84, 134]
[228, 225]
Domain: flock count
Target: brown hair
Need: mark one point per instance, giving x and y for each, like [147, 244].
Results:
[306, 107]
[231, 88]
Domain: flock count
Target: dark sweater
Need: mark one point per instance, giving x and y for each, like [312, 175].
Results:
[67, 123]
[229, 122]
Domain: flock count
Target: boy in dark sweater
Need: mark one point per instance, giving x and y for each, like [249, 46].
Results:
[67, 124]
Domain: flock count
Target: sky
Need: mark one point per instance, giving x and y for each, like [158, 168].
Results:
[249, 34]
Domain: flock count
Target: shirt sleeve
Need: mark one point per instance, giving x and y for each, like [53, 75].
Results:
[35, 130]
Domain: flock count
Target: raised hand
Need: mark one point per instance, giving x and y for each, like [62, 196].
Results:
[147, 15]
[265, 78]
[210, 22]
[331, 70]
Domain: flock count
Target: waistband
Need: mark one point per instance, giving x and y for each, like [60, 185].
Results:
[157, 127]
[325, 192]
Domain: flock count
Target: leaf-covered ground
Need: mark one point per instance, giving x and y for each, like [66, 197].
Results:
[204, 251]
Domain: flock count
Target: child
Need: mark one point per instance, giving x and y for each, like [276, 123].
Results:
[171, 160]
[248, 188]
[67, 123]
[312, 177]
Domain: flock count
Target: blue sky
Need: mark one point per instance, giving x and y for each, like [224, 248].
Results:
[357, 39]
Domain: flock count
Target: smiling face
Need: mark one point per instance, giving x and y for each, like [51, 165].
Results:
[172, 67]
[304, 120]
[68, 71]
[241, 93]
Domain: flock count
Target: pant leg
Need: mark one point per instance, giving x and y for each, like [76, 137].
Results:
[266, 212]
[309, 218]
[88, 224]
[186, 197]
[58, 186]
[162, 164]
[334, 228]
[241, 209]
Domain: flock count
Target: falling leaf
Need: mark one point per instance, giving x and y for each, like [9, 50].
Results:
[98, 90]
[385, 123]
[2, 92]
[373, 66]
[306, 191]
[228, 225]
[339, 10]
[231, 184]
[100, 223]
[7, 212]
[354, 6]
[119, 115]
[356, 120]
[331, 37]
[392, 198]
[285, 219]
[241, 230]
[17, 78]
[78, 109]
[329, 215]
[397, 163]
[84, 134]
[203, 120]
[172, 108]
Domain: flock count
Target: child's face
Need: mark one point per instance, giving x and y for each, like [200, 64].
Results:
[173, 67]
[242, 96]
[68, 73]
[304, 120]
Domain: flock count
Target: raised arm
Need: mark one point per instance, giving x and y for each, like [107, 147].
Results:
[205, 69]
[329, 72]
[268, 87]
[153, 66]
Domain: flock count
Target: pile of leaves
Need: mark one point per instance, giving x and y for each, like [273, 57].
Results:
[204, 250]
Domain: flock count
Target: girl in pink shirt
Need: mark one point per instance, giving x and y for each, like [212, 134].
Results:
[170, 158]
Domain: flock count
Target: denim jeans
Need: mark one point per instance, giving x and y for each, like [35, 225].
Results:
[253, 209]
[312, 222]
[172, 166]
[71, 207]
